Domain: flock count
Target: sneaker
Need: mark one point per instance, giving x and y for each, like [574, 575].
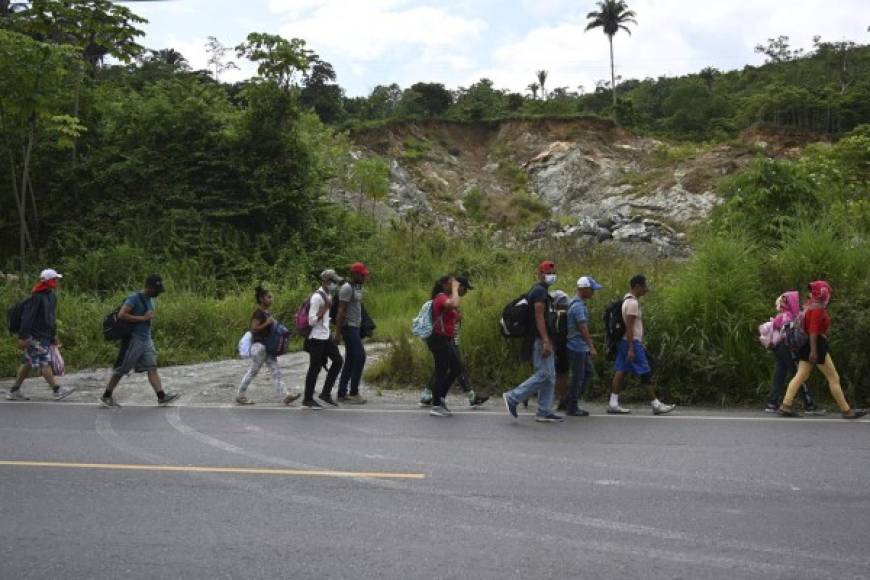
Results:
[479, 401]
[312, 405]
[770, 408]
[328, 400]
[815, 411]
[168, 398]
[243, 400]
[16, 396]
[440, 411]
[290, 398]
[663, 409]
[109, 403]
[549, 418]
[856, 414]
[355, 400]
[617, 410]
[63, 392]
[444, 406]
[511, 406]
[578, 412]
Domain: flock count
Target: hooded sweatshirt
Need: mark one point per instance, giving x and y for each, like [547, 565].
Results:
[789, 309]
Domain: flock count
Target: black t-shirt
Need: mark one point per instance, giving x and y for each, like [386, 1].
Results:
[261, 316]
[539, 293]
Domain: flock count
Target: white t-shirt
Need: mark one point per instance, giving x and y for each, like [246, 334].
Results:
[319, 328]
[631, 307]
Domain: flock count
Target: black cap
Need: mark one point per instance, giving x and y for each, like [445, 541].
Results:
[155, 281]
[638, 280]
[464, 282]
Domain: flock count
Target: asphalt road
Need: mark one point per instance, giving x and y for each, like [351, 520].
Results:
[393, 493]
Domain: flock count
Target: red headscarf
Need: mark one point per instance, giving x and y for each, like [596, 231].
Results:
[821, 292]
[44, 286]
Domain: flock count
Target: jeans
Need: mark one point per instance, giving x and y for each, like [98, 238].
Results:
[543, 381]
[259, 357]
[318, 353]
[785, 363]
[581, 374]
[354, 361]
[448, 365]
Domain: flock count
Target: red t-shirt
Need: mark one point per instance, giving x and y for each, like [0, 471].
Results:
[438, 308]
[817, 321]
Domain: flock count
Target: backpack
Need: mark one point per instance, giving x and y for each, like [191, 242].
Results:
[301, 321]
[614, 327]
[794, 334]
[516, 318]
[116, 329]
[422, 326]
[279, 338]
[14, 314]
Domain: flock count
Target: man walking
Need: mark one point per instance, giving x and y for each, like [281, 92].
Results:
[581, 351]
[631, 357]
[543, 381]
[138, 352]
[320, 345]
[36, 334]
[347, 323]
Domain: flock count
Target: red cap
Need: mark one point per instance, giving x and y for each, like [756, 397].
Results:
[359, 268]
[546, 266]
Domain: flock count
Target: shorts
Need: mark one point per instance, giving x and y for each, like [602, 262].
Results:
[640, 366]
[37, 354]
[821, 350]
[135, 354]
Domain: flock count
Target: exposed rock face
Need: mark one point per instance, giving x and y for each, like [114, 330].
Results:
[609, 186]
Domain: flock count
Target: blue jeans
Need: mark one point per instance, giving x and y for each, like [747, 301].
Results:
[543, 381]
[581, 374]
[354, 361]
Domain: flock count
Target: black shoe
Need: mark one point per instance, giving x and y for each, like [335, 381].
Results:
[478, 400]
[328, 400]
[312, 404]
[168, 398]
[578, 413]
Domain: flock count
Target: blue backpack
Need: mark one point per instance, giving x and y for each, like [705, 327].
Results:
[279, 338]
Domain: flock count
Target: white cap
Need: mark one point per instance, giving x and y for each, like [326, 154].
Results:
[49, 274]
[588, 282]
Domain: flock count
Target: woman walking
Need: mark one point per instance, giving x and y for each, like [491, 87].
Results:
[816, 324]
[788, 308]
[261, 327]
[448, 366]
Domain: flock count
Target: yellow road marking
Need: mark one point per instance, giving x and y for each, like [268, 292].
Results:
[232, 470]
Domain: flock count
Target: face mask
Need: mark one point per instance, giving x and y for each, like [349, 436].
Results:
[549, 279]
[332, 287]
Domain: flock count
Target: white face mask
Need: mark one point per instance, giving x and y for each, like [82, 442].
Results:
[549, 279]
[332, 287]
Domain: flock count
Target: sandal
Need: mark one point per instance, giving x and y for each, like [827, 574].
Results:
[856, 414]
[785, 412]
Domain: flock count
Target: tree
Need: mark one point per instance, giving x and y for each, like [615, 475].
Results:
[426, 100]
[170, 57]
[533, 88]
[321, 93]
[371, 177]
[778, 50]
[277, 58]
[708, 75]
[217, 57]
[612, 16]
[541, 75]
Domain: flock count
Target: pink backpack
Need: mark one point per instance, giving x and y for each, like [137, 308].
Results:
[302, 322]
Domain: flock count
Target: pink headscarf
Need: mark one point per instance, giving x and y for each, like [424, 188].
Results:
[820, 291]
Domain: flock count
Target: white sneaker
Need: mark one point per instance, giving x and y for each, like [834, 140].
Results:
[617, 410]
[63, 392]
[663, 409]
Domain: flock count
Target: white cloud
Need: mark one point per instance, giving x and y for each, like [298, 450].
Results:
[197, 57]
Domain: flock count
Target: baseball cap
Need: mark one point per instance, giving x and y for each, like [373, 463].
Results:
[331, 276]
[49, 274]
[559, 297]
[546, 266]
[464, 282]
[359, 268]
[588, 282]
[155, 281]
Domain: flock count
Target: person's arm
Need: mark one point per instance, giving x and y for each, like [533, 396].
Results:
[453, 302]
[814, 348]
[541, 326]
[584, 332]
[319, 306]
[26, 329]
[127, 316]
[629, 334]
[339, 320]
[258, 326]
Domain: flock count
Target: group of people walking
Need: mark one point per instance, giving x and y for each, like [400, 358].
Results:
[558, 343]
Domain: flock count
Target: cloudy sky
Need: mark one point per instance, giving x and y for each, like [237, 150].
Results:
[457, 42]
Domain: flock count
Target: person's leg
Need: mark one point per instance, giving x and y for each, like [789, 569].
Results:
[335, 366]
[316, 358]
[587, 378]
[784, 362]
[21, 376]
[156, 383]
[124, 363]
[440, 350]
[620, 370]
[533, 384]
[548, 386]
[833, 377]
[349, 360]
[48, 375]
[577, 368]
[802, 374]
[275, 374]
[359, 365]
[258, 357]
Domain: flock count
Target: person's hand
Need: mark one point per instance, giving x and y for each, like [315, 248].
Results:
[592, 352]
[455, 285]
[546, 349]
[631, 355]
[336, 338]
[814, 357]
[149, 315]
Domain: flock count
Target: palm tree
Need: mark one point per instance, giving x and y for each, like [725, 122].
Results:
[612, 15]
[534, 89]
[542, 80]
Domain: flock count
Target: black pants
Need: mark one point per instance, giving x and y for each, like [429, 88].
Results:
[448, 365]
[318, 353]
[462, 379]
[785, 365]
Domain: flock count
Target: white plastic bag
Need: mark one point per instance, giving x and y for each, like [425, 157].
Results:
[245, 345]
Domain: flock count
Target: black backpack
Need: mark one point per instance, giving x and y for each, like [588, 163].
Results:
[116, 329]
[517, 318]
[614, 327]
[13, 315]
